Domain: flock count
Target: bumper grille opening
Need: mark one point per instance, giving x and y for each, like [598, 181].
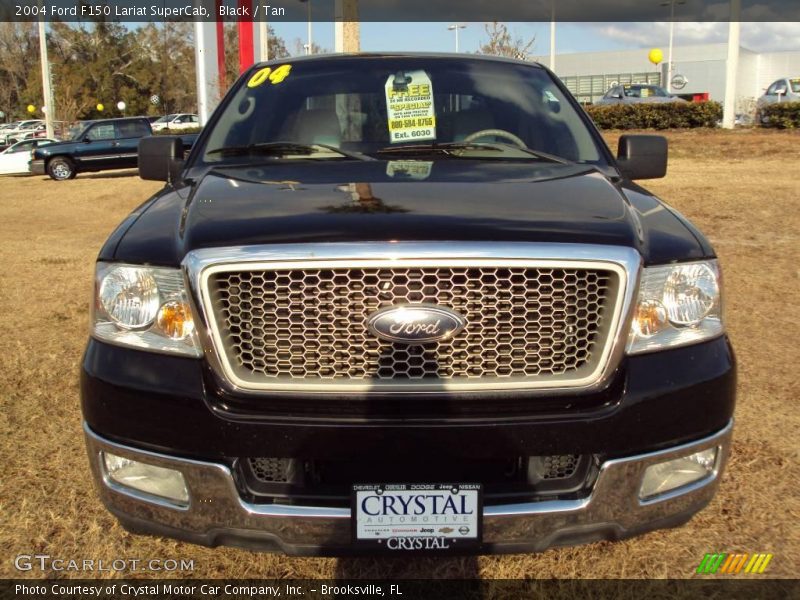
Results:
[558, 466]
[308, 326]
[328, 482]
[272, 470]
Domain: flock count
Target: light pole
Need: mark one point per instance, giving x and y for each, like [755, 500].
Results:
[732, 67]
[309, 46]
[671, 5]
[47, 88]
[455, 28]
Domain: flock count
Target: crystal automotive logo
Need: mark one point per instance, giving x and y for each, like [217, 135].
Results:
[415, 323]
[733, 564]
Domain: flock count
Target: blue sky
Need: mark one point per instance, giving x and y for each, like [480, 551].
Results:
[570, 37]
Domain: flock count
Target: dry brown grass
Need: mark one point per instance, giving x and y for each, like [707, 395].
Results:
[740, 187]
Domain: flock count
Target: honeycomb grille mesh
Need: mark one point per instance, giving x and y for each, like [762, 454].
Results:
[270, 469]
[310, 324]
[560, 466]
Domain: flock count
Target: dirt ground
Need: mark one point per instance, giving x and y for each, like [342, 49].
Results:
[741, 188]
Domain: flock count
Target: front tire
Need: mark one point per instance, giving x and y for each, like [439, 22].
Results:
[61, 169]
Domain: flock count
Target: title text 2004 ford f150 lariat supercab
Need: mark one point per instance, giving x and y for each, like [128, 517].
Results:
[405, 302]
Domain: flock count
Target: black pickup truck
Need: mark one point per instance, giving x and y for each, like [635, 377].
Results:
[97, 146]
[398, 302]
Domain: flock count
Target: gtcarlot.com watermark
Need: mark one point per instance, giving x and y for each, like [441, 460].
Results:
[46, 562]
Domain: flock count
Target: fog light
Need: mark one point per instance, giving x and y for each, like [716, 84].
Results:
[676, 473]
[158, 481]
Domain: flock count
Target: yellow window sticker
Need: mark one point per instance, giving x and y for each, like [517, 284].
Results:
[409, 107]
[275, 76]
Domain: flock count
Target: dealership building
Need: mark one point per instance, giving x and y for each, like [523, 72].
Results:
[588, 75]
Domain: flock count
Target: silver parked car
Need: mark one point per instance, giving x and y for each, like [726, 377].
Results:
[13, 135]
[782, 90]
[635, 93]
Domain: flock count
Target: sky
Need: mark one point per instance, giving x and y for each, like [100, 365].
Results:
[570, 37]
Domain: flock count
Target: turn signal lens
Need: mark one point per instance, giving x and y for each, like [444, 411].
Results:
[175, 320]
[650, 318]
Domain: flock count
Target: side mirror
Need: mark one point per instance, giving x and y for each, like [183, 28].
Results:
[160, 157]
[86, 139]
[642, 156]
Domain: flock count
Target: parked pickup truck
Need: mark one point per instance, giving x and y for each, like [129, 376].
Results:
[400, 302]
[97, 146]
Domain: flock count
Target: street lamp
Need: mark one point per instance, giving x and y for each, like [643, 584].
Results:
[455, 28]
[671, 4]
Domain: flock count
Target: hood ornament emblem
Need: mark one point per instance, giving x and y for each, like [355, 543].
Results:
[415, 323]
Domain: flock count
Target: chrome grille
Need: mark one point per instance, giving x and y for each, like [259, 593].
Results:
[306, 325]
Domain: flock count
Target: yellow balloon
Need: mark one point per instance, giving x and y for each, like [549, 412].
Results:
[655, 56]
[31, 108]
[100, 107]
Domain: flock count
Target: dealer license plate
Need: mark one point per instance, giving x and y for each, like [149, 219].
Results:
[428, 516]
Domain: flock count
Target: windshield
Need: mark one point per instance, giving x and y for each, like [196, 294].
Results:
[372, 106]
[165, 119]
[644, 91]
[77, 130]
[795, 83]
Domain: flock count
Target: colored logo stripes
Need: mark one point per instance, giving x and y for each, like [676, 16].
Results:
[733, 564]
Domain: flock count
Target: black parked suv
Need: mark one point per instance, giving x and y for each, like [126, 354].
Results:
[402, 302]
[98, 146]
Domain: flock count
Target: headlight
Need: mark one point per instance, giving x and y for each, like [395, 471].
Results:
[143, 307]
[129, 296]
[677, 305]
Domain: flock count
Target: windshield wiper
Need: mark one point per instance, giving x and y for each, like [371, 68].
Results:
[448, 147]
[444, 147]
[284, 148]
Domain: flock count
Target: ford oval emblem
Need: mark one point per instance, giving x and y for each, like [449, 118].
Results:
[415, 323]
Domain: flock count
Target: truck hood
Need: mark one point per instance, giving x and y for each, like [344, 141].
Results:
[343, 201]
[47, 149]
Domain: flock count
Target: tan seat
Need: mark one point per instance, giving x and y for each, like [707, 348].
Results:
[315, 126]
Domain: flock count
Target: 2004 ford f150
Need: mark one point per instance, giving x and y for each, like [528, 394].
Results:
[399, 303]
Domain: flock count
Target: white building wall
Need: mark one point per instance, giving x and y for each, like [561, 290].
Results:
[774, 65]
[702, 64]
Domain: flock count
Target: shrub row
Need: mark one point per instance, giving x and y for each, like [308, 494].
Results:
[670, 115]
[783, 115]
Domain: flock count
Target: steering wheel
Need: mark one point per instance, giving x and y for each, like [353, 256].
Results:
[498, 133]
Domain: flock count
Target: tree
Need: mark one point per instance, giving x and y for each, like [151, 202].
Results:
[19, 63]
[165, 68]
[102, 62]
[501, 43]
[95, 64]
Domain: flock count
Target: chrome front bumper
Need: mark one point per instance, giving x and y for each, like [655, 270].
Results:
[216, 513]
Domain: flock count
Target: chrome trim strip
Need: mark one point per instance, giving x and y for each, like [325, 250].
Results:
[217, 509]
[624, 261]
